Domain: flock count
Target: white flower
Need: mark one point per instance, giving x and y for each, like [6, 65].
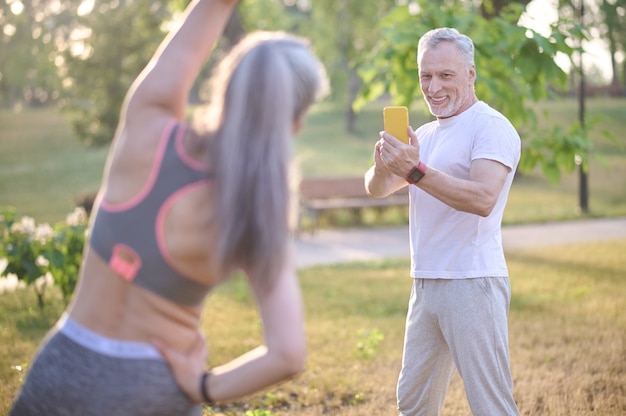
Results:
[43, 233]
[42, 261]
[77, 217]
[25, 226]
[44, 281]
[11, 283]
[28, 224]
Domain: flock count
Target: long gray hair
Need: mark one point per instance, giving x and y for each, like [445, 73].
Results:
[259, 92]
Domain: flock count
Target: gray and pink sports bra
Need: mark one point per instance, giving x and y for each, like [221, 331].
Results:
[130, 236]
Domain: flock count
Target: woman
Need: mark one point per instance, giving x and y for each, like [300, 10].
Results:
[180, 209]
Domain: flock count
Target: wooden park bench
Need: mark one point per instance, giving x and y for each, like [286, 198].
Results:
[320, 195]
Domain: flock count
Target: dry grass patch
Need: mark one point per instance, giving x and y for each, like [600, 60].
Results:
[568, 329]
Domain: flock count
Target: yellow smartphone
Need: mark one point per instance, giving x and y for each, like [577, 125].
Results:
[396, 122]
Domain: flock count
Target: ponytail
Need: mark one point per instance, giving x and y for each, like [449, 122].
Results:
[268, 82]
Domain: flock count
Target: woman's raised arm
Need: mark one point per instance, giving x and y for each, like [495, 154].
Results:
[165, 82]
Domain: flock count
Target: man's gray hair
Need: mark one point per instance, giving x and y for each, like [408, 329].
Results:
[433, 37]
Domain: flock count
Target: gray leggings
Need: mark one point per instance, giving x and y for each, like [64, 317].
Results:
[462, 324]
[68, 378]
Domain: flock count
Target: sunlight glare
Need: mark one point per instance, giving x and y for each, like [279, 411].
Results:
[81, 50]
[17, 7]
[9, 30]
[59, 61]
[55, 7]
[85, 7]
[541, 14]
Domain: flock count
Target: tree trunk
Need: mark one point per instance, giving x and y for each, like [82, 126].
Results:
[610, 34]
[354, 84]
[40, 302]
[623, 83]
[583, 193]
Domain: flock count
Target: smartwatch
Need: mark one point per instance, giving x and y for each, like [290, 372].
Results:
[416, 173]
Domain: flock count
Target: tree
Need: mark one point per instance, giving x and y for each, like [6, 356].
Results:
[108, 46]
[577, 9]
[515, 68]
[27, 72]
[343, 31]
[106, 49]
[269, 15]
[490, 9]
[613, 21]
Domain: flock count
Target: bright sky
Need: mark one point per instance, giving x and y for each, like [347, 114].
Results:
[541, 13]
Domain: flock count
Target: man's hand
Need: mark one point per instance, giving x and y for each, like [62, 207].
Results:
[389, 172]
[379, 165]
[399, 158]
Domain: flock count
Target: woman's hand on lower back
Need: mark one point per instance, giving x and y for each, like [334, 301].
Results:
[187, 367]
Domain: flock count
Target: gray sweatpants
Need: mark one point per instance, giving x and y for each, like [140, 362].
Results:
[78, 372]
[462, 323]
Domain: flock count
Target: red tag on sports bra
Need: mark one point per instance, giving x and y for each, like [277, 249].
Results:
[125, 262]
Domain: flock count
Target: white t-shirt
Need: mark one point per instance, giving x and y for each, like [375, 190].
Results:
[450, 244]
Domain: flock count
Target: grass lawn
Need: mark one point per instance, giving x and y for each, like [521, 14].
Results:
[43, 167]
[567, 336]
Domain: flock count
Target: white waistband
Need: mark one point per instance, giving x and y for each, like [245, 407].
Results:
[104, 345]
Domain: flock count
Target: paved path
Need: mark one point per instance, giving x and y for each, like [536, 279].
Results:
[345, 245]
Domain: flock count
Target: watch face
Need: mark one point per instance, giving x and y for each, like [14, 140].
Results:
[415, 175]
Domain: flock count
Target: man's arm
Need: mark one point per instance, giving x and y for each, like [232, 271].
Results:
[476, 195]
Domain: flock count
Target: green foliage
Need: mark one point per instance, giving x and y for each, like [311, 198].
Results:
[514, 64]
[27, 73]
[266, 15]
[515, 68]
[342, 34]
[119, 40]
[34, 251]
[65, 251]
[22, 245]
[369, 342]
[558, 150]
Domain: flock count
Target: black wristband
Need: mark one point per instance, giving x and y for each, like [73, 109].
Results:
[203, 389]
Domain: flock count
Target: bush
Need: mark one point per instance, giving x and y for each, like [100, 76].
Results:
[34, 252]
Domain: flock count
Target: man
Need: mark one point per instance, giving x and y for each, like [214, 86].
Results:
[459, 168]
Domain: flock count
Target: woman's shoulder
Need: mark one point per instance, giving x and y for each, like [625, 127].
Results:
[133, 154]
[144, 128]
